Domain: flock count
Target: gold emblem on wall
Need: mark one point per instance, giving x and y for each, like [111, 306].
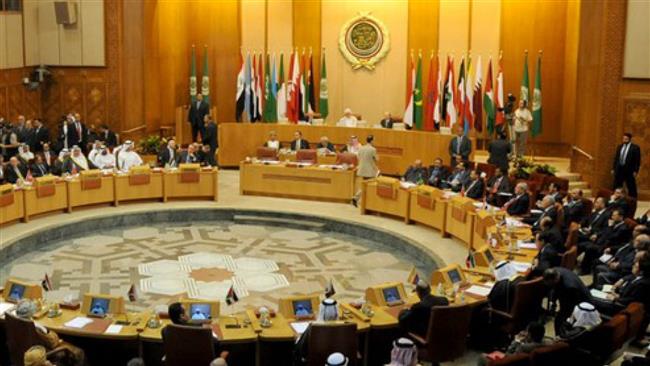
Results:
[364, 41]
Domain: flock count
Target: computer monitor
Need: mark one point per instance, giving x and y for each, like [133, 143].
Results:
[454, 276]
[201, 311]
[386, 294]
[300, 306]
[391, 295]
[448, 276]
[100, 305]
[484, 257]
[16, 290]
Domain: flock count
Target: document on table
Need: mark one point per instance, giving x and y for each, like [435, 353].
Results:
[608, 288]
[78, 322]
[478, 290]
[407, 185]
[526, 245]
[5, 306]
[521, 266]
[605, 258]
[598, 294]
[300, 327]
[113, 329]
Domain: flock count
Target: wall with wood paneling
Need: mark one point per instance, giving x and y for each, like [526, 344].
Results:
[15, 99]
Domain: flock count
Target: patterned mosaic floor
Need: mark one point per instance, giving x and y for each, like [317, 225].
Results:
[202, 260]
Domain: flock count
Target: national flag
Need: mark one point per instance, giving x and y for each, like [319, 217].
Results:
[248, 93]
[259, 91]
[410, 86]
[231, 296]
[413, 277]
[302, 111]
[133, 293]
[205, 78]
[469, 99]
[193, 86]
[470, 261]
[241, 95]
[437, 96]
[270, 105]
[282, 92]
[254, 115]
[323, 102]
[329, 289]
[500, 114]
[46, 283]
[311, 99]
[449, 98]
[488, 100]
[417, 96]
[460, 92]
[523, 93]
[430, 101]
[537, 100]
[477, 102]
[293, 90]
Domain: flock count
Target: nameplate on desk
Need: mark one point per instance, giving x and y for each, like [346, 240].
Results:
[426, 201]
[6, 195]
[45, 186]
[189, 177]
[458, 213]
[139, 179]
[91, 179]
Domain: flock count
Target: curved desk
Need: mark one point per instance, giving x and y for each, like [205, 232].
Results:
[396, 149]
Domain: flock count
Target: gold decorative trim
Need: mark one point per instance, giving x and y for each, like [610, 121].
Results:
[364, 40]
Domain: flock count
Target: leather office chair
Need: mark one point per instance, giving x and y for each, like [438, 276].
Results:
[267, 153]
[555, 354]
[347, 158]
[559, 222]
[185, 345]
[518, 359]
[307, 156]
[446, 337]
[526, 306]
[326, 339]
[572, 235]
[21, 335]
[636, 322]
[604, 341]
[569, 258]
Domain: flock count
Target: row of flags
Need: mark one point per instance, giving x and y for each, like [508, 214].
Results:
[267, 96]
[448, 103]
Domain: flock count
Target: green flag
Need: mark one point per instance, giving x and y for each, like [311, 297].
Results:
[193, 85]
[205, 79]
[417, 96]
[323, 104]
[488, 100]
[523, 94]
[281, 98]
[270, 112]
[537, 100]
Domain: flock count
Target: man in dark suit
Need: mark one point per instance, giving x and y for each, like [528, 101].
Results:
[198, 110]
[298, 142]
[437, 174]
[554, 191]
[210, 137]
[325, 144]
[632, 288]
[474, 187]
[520, 203]
[627, 162]
[547, 256]
[613, 236]
[458, 178]
[38, 167]
[188, 156]
[499, 150]
[76, 131]
[499, 183]
[40, 136]
[416, 319]
[620, 265]
[107, 136]
[574, 208]
[549, 233]
[592, 226]
[618, 201]
[548, 210]
[387, 121]
[15, 171]
[415, 173]
[49, 157]
[168, 155]
[459, 148]
[567, 289]
[206, 157]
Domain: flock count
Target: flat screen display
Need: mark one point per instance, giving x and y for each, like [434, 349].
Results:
[302, 308]
[454, 276]
[489, 256]
[391, 294]
[17, 292]
[200, 312]
[99, 306]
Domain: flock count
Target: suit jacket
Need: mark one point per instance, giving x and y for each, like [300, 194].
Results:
[10, 174]
[183, 158]
[328, 146]
[635, 290]
[504, 184]
[367, 157]
[597, 221]
[624, 256]
[386, 123]
[437, 176]
[546, 258]
[643, 219]
[39, 170]
[49, 161]
[415, 175]
[619, 204]
[550, 211]
[474, 189]
[465, 147]
[39, 137]
[518, 206]
[416, 319]
[211, 136]
[614, 236]
[632, 160]
[461, 176]
[570, 290]
[574, 212]
[553, 236]
[206, 159]
[166, 157]
[304, 144]
[73, 135]
[195, 115]
[499, 151]
[109, 138]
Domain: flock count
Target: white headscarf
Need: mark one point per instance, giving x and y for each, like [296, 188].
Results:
[62, 154]
[328, 310]
[80, 160]
[584, 315]
[504, 270]
[336, 359]
[25, 155]
[404, 353]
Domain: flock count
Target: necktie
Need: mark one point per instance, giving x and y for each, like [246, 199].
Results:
[624, 153]
[458, 143]
[496, 185]
[198, 105]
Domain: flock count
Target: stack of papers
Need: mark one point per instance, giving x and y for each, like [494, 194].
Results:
[526, 245]
[300, 327]
[598, 294]
[113, 329]
[605, 258]
[478, 290]
[5, 306]
[521, 266]
[407, 185]
[78, 322]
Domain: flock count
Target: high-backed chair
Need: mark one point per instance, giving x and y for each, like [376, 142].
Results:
[185, 345]
[486, 168]
[555, 354]
[570, 258]
[21, 335]
[604, 341]
[517, 359]
[572, 235]
[559, 222]
[307, 156]
[267, 153]
[326, 339]
[636, 322]
[525, 308]
[446, 337]
[347, 158]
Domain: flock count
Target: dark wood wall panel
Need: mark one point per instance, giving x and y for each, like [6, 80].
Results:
[14, 98]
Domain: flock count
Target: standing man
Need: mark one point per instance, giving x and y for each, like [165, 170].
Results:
[198, 110]
[367, 164]
[499, 150]
[459, 148]
[626, 165]
[41, 136]
[210, 137]
[523, 118]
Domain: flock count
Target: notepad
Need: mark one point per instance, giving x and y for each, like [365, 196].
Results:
[478, 290]
[598, 294]
[4, 307]
[605, 258]
[521, 266]
[78, 322]
[526, 245]
[300, 327]
[113, 329]
[608, 288]
[407, 185]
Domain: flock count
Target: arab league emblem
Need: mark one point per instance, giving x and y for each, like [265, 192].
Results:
[364, 41]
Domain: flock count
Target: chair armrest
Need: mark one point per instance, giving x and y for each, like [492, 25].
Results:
[500, 313]
[56, 351]
[419, 340]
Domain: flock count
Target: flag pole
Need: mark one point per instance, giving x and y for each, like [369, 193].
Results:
[532, 140]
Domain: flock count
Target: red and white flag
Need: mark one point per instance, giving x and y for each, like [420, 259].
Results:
[410, 85]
